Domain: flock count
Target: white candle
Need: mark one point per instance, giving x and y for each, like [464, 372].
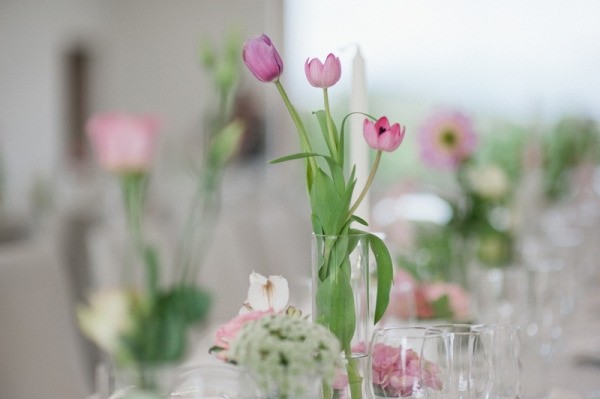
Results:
[359, 150]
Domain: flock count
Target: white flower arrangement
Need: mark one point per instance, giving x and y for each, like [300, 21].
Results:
[280, 350]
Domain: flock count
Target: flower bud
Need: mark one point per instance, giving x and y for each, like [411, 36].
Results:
[323, 75]
[381, 136]
[262, 59]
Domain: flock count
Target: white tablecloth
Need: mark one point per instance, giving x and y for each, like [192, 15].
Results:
[40, 355]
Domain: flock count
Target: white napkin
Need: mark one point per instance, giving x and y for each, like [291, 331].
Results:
[560, 394]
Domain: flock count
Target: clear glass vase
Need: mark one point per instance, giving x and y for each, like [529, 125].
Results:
[340, 286]
[140, 380]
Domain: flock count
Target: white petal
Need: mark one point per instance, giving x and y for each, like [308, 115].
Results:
[280, 293]
[257, 299]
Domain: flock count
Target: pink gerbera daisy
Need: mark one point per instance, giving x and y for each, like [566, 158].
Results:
[447, 139]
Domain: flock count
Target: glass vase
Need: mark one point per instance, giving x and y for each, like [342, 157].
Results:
[141, 380]
[340, 287]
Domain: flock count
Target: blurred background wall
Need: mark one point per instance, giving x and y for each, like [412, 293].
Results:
[62, 61]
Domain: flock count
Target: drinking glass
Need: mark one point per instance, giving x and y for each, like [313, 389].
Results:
[470, 373]
[550, 304]
[407, 362]
[214, 381]
[501, 344]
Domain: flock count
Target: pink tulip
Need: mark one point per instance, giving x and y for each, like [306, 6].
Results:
[262, 59]
[381, 136]
[323, 76]
[123, 143]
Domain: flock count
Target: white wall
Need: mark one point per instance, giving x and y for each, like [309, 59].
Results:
[33, 38]
[144, 58]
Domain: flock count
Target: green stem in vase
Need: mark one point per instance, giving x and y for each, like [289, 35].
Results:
[364, 191]
[331, 139]
[133, 188]
[355, 380]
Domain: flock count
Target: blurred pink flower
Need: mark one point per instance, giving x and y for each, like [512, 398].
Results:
[228, 331]
[447, 139]
[123, 143]
[459, 300]
[399, 371]
[262, 59]
[323, 75]
[406, 299]
[340, 381]
[381, 136]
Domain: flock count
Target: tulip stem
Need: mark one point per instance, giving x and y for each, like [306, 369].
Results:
[331, 140]
[299, 125]
[367, 184]
[133, 186]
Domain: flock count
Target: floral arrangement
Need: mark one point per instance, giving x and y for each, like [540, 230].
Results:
[428, 299]
[399, 372]
[266, 296]
[145, 322]
[275, 343]
[573, 142]
[482, 222]
[279, 349]
[330, 183]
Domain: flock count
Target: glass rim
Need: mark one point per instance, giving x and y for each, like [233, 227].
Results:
[341, 235]
[495, 326]
[434, 331]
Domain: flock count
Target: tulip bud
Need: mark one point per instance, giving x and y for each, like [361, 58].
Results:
[262, 59]
[323, 75]
[381, 136]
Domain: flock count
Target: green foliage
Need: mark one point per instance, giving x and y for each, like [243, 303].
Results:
[330, 190]
[572, 142]
[161, 326]
[442, 308]
[384, 275]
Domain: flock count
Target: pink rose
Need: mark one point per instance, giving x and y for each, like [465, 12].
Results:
[405, 294]
[228, 331]
[123, 143]
[399, 371]
[458, 298]
[395, 369]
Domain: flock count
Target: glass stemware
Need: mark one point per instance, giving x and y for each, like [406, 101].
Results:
[407, 362]
[501, 344]
[469, 364]
[214, 381]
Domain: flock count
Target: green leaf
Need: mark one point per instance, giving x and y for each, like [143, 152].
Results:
[300, 155]
[442, 308]
[335, 304]
[358, 219]
[326, 203]
[192, 302]
[317, 229]
[385, 274]
[322, 118]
